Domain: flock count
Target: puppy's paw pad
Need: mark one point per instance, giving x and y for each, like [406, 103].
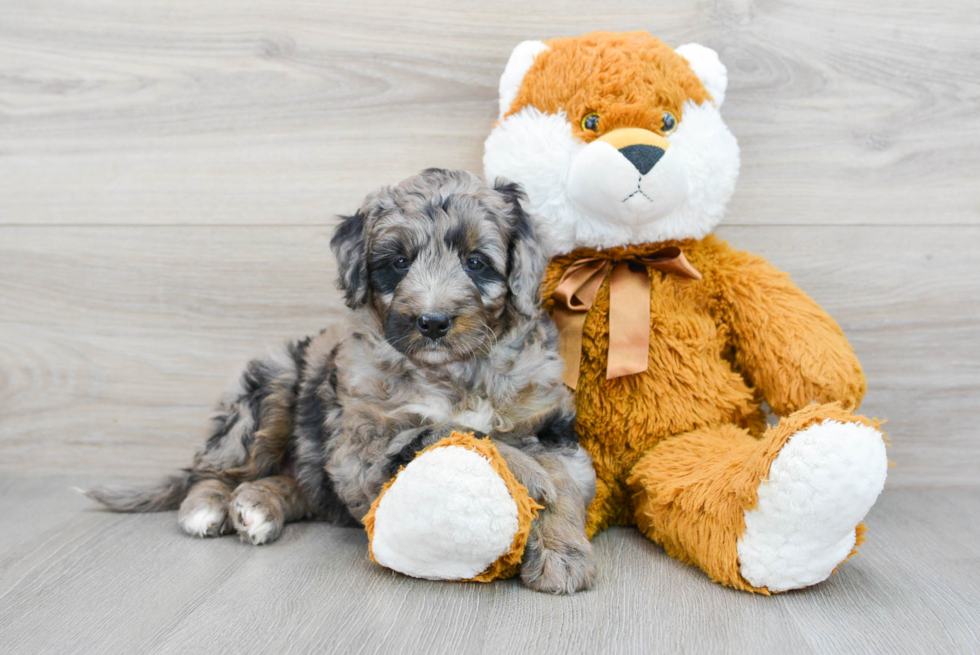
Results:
[254, 523]
[563, 570]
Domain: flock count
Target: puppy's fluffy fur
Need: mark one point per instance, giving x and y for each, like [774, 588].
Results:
[316, 430]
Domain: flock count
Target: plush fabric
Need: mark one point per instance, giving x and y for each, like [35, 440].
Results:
[823, 481]
[682, 450]
[633, 66]
[719, 346]
[691, 494]
[455, 512]
[574, 181]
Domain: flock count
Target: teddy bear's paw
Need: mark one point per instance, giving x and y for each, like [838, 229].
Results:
[255, 515]
[823, 482]
[204, 517]
[564, 569]
[448, 515]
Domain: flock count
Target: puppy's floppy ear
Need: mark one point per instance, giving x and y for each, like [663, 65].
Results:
[349, 245]
[526, 258]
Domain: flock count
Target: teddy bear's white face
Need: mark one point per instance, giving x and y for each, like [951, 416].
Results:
[636, 170]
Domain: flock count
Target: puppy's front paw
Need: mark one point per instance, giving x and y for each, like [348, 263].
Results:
[255, 515]
[564, 569]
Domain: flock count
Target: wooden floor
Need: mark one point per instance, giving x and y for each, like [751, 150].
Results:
[170, 173]
[77, 580]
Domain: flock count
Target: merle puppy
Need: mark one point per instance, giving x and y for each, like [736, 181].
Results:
[446, 332]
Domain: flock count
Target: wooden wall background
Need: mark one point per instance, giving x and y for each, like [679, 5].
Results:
[170, 172]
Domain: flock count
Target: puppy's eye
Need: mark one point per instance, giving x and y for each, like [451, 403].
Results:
[401, 264]
[591, 121]
[669, 123]
[474, 264]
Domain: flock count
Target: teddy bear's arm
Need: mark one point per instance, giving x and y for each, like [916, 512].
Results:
[784, 342]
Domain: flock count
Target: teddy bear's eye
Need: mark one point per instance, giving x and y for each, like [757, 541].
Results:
[591, 121]
[669, 122]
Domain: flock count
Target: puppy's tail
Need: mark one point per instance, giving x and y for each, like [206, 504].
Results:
[156, 497]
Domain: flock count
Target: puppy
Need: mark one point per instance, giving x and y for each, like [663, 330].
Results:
[445, 333]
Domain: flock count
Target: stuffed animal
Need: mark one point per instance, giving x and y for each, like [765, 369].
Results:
[455, 512]
[672, 339]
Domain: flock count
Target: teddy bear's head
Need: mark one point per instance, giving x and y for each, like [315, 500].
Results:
[616, 137]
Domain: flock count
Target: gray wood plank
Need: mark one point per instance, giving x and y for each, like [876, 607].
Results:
[75, 579]
[255, 111]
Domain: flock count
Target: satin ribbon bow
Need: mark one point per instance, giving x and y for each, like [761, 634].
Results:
[629, 308]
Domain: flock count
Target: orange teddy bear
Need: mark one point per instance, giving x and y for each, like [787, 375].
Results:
[673, 339]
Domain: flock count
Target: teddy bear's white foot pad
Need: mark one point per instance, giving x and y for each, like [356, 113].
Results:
[823, 482]
[447, 516]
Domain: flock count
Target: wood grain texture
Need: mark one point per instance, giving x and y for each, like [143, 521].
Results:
[257, 111]
[78, 580]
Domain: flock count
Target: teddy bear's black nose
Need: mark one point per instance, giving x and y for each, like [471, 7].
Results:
[643, 157]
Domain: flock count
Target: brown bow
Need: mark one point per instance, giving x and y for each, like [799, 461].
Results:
[629, 308]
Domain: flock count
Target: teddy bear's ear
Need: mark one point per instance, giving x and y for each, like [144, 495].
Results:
[708, 67]
[517, 67]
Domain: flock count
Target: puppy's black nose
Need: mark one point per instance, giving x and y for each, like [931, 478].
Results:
[434, 325]
[642, 157]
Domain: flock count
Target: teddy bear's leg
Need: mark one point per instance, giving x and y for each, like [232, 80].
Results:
[455, 512]
[770, 514]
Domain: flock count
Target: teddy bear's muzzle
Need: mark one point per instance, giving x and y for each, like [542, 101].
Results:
[628, 176]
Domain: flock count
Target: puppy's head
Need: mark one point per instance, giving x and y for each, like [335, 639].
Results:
[445, 260]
